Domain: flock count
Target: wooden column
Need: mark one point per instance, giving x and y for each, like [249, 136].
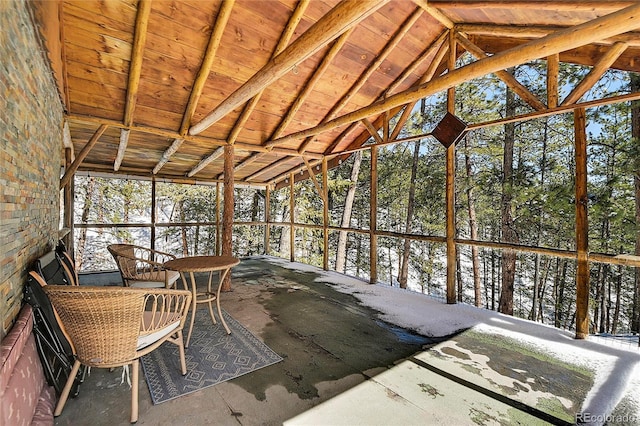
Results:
[325, 214]
[267, 219]
[154, 217]
[227, 214]
[450, 195]
[373, 218]
[292, 228]
[68, 205]
[218, 228]
[582, 226]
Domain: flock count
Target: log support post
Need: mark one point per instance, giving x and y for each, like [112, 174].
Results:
[154, 217]
[218, 227]
[373, 218]
[450, 186]
[582, 226]
[325, 214]
[227, 214]
[68, 204]
[267, 219]
[292, 227]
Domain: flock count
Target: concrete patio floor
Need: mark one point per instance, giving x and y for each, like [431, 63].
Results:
[349, 362]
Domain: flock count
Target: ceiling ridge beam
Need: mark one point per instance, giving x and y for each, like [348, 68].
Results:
[342, 17]
[609, 25]
[536, 31]
[555, 5]
[435, 13]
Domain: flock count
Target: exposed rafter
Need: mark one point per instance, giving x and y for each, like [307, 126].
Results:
[607, 26]
[344, 16]
[135, 67]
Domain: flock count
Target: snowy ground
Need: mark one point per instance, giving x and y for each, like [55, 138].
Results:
[616, 365]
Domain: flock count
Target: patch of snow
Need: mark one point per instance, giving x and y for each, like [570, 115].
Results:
[616, 369]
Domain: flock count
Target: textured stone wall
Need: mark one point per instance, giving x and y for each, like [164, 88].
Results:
[30, 155]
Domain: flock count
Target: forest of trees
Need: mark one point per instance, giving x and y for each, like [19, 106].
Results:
[514, 184]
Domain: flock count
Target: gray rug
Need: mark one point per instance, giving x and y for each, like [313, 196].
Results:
[212, 357]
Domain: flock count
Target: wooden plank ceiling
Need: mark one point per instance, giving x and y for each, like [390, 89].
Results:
[287, 81]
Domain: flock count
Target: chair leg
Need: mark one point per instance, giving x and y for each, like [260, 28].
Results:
[134, 391]
[67, 388]
[180, 343]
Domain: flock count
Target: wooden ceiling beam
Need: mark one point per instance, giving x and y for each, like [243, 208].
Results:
[342, 17]
[607, 26]
[372, 130]
[535, 31]
[206, 161]
[122, 147]
[371, 68]
[439, 56]
[288, 32]
[207, 62]
[302, 96]
[199, 82]
[507, 78]
[68, 174]
[555, 5]
[142, 129]
[133, 84]
[435, 13]
[260, 172]
[175, 145]
[594, 75]
[553, 71]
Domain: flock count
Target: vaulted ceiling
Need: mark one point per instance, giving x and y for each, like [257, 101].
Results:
[159, 87]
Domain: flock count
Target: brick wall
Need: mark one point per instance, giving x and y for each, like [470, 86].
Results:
[30, 155]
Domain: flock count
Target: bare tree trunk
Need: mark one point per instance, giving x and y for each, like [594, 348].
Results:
[404, 268]
[460, 289]
[82, 238]
[508, 232]
[283, 246]
[635, 133]
[473, 227]
[183, 230]
[536, 274]
[616, 312]
[346, 214]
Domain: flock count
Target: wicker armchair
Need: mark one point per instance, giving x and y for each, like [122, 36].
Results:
[113, 327]
[142, 267]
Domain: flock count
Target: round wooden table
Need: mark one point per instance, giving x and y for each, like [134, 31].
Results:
[209, 264]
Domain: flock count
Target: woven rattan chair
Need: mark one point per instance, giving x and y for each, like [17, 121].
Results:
[142, 267]
[115, 326]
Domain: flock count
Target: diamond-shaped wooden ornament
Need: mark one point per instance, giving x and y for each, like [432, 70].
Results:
[449, 130]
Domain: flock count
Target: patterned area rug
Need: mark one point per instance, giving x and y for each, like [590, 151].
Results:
[212, 357]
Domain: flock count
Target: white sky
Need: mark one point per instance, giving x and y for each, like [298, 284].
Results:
[616, 367]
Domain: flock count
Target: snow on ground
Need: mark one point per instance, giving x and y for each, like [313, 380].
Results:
[616, 367]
